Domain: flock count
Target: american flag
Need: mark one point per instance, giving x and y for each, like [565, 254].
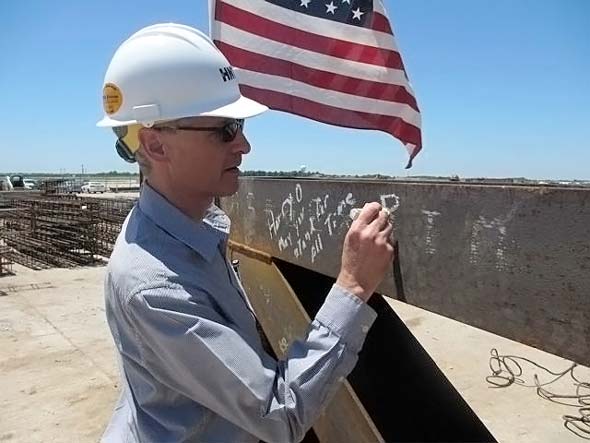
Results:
[333, 61]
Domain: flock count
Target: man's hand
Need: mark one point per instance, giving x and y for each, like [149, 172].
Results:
[367, 252]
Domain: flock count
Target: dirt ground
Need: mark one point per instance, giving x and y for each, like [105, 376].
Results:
[59, 380]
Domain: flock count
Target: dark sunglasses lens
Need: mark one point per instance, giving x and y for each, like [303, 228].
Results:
[230, 130]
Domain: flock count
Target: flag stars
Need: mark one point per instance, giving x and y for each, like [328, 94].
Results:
[346, 1]
[305, 3]
[357, 14]
[331, 8]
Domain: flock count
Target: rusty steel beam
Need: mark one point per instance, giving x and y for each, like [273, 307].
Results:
[283, 320]
[513, 260]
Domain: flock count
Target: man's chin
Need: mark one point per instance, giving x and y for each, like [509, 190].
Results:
[229, 190]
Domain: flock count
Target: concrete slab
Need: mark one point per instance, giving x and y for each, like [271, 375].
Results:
[515, 413]
[127, 195]
[59, 377]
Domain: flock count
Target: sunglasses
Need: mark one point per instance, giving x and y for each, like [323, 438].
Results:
[227, 132]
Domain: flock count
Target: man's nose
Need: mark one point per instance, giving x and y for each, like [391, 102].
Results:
[241, 144]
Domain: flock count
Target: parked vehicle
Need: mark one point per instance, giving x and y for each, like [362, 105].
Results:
[29, 183]
[18, 182]
[93, 187]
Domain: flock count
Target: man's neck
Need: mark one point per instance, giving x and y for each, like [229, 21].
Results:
[193, 206]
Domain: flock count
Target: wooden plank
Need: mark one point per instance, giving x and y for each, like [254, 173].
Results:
[284, 319]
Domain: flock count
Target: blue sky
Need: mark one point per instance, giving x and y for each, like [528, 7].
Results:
[503, 87]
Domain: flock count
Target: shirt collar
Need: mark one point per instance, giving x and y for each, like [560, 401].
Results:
[203, 237]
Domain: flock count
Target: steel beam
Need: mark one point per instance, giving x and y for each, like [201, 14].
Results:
[283, 320]
[513, 260]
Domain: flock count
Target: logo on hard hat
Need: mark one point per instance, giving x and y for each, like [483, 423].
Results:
[227, 73]
[112, 98]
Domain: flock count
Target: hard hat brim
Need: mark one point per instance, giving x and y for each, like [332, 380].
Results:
[242, 108]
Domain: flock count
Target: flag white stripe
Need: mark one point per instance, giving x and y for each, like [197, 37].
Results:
[378, 7]
[328, 97]
[315, 25]
[261, 45]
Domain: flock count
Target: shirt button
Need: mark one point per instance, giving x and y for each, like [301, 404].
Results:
[365, 329]
[340, 379]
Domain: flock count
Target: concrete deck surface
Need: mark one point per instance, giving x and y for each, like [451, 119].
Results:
[512, 414]
[59, 380]
[58, 377]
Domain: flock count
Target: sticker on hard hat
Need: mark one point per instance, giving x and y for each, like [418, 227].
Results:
[112, 99]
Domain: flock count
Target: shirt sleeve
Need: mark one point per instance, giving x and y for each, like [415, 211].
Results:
[189, 347]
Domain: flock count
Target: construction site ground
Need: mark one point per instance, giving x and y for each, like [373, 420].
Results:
[59, 378]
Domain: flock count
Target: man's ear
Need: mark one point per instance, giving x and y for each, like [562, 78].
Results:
[152, 145]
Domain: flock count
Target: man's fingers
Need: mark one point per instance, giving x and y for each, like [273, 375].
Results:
[380, 222]
[369, 212]
[387, 233]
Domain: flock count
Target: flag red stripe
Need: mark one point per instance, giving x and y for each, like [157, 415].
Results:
[378, 22]
[263, 27]
[395, 126]
[251, 61]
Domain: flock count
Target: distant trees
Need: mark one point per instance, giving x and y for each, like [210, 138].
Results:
[299, 173]
[115, 174]
[71, 174]
[304, 173]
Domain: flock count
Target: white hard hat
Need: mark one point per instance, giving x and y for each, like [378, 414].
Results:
[170, 71]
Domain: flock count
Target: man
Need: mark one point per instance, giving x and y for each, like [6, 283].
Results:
[193, 364]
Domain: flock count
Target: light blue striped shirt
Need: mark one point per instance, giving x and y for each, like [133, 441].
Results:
[193, 367]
